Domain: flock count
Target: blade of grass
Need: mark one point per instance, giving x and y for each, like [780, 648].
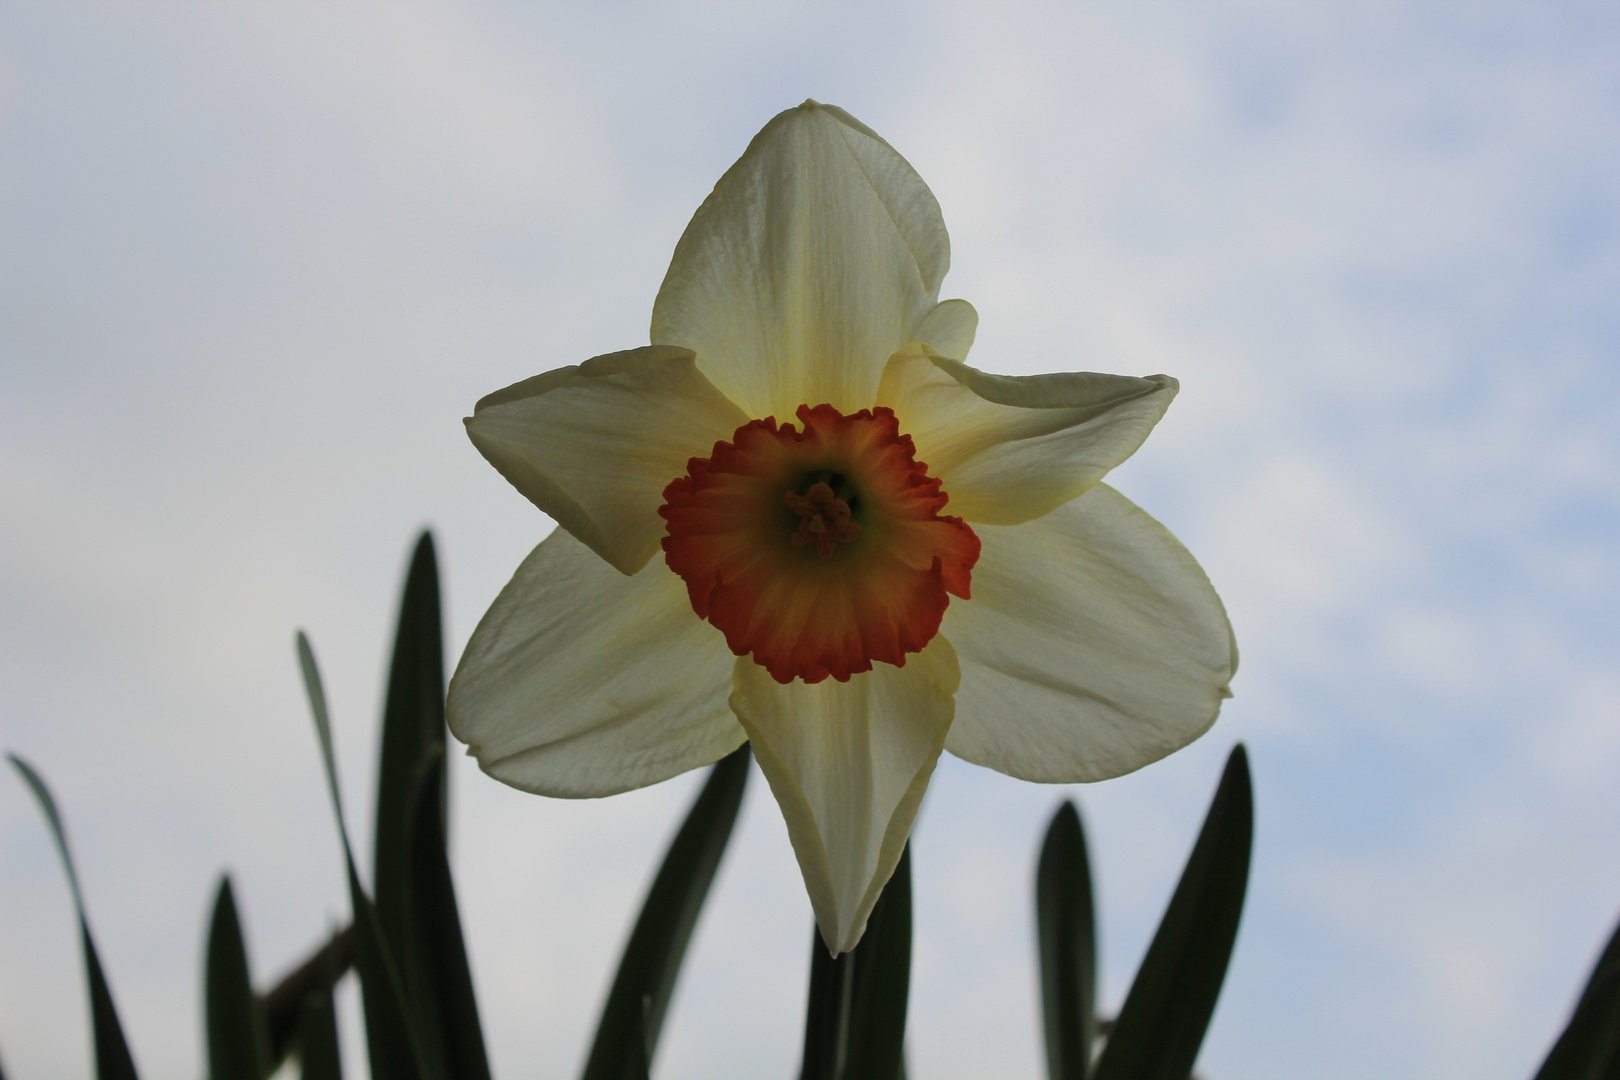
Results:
[391, 1038]
[1066, 928]
[633, 1017]
[1589, 1047]
[233, 1017]
[1166, 1013]
[113, 1060]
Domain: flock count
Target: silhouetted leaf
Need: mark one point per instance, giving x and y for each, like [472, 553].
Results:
[1065, 923]
[440, 980]
[855, 1018]
[416, 902]
[826, 1013]
[318, 1039]
[284, 1004]
[113, 1060]
[1589, 1048]
[233, 1016]
[390, 1037]
[413, 728]
[877, 1015]
[631, 1020]
[1162, 1023]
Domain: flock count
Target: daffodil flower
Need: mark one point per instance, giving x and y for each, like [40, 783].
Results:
[798, 518]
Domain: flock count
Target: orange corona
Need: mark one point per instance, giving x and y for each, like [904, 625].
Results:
[821, 550]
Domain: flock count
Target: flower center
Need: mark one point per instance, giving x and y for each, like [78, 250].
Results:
[823, 519]
[818, 551]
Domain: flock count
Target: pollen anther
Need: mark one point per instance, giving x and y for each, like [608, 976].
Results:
[824, 519]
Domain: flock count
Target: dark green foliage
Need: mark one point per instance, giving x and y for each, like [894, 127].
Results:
[438, 979]
[233, 1016]
[631, 1020]
[1066, 926]
[413, 729]
[877, 1015]
[1162, 1023]
[111, 1051]
[284, 1005]
[1589, 1048]
[318, 1038]
[113, 1060]
[826, 1014]
[416, 901]
[392, 1039]
[855, 1019]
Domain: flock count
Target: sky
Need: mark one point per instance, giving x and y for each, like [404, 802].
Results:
[257, 261]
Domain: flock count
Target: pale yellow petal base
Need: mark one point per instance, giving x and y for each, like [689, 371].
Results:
[848, 763]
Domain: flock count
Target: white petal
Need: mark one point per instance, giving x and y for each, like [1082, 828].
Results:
[595, 445]
[1011, 448]
[818, 254]
[848, 763]
[949, 329]
[1093, 645]
[580, 681]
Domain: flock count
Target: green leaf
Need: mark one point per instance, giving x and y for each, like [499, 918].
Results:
[233, 1017]
[1589, 1048]
[391, 1038]
[826, 1014]
[113, 1060]
[284, 1004]
[1162, 1023]
[416, 901]
[438, 977]
[318, 1038]
[877, 1016]
[413, 728]
[631, 1020]
[1066, 926]
[855, 1020]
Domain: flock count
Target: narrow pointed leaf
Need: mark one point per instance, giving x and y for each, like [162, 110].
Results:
[1066, 926]
[440, 979]
[633, 1017]
[318, 1038]
[284, 1004]
[391, 1038]
[1589, 1048]
[855, 1020]
[413, 728]
[415, 898]
[877, 1018]
[111, 1050]
[827, 1011]
[1162, 1023]
[233, 1016]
